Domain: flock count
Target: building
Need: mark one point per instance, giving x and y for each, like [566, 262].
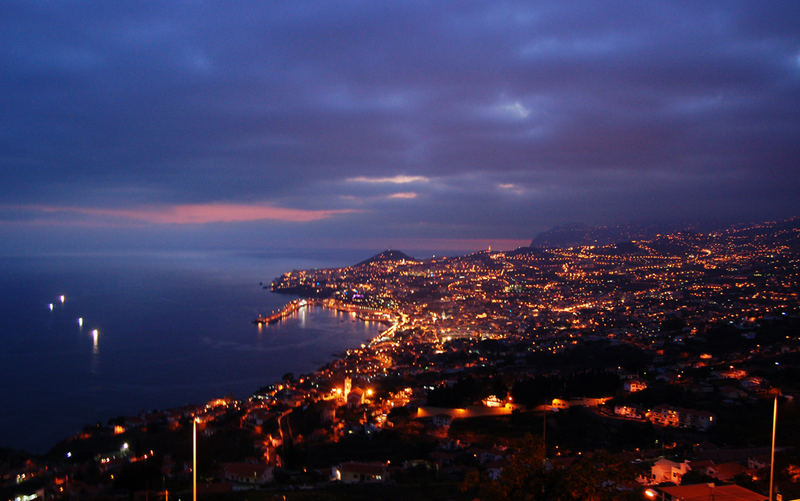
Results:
[353, 472]
[702, 492]
[725, 472]
[634, 385]
[698, 420]
[665, 470]
[355, 397]
[348, 385]
[628, 411]
[247, 474]
[666, 415]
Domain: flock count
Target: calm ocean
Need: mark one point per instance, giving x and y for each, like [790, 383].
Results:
[174, 328]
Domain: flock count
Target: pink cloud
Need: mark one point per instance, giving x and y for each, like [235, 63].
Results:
[192, 213]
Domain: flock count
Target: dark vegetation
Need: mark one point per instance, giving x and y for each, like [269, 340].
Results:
[543, 389]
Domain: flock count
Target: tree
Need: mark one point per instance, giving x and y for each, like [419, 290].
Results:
[596, 477]
[526, 476]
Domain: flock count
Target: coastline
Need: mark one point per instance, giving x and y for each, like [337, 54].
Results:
[153, 324]
[196, 407]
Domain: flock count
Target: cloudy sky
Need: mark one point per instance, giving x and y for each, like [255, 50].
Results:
[415, 125]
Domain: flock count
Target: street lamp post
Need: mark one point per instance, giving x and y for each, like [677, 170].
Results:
[194, 459]
[772, 453]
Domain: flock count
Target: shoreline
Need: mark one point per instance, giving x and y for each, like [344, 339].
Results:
[326, 323]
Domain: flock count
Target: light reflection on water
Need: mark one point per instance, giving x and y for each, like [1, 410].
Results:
[170, 333]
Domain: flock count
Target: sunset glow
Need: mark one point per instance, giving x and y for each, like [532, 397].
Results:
[188, 213]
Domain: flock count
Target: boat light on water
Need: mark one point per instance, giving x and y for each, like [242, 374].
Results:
[80, 321]
[95, 333]
[62, 298]
[50, 306]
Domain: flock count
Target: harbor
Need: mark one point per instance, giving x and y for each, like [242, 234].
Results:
[288, 310]
[364, 313]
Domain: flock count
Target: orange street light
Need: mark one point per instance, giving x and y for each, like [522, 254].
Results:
[194, 459]
[772, 453]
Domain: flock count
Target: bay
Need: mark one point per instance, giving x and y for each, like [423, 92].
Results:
[173, 329]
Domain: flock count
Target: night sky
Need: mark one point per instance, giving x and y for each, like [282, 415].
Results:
[412, 125]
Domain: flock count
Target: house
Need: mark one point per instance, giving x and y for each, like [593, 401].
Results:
[665, 470]
[354, 472]
[698, 492]
[725, 472]
[758, 462]
[628, 411]
[440, 424]
[698, 420]
[355, 397]
[247, 474]
[634, 385]
[665, 415]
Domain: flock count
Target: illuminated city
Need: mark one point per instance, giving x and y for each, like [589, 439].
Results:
[667, 352]
[400, 250]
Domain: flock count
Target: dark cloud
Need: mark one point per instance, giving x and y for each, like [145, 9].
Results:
[520, 115]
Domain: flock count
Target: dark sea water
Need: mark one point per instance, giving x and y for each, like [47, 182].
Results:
[173, 329]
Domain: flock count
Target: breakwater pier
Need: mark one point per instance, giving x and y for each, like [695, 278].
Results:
[288, 309]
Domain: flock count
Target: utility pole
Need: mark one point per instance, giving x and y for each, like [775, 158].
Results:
[772, 454]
